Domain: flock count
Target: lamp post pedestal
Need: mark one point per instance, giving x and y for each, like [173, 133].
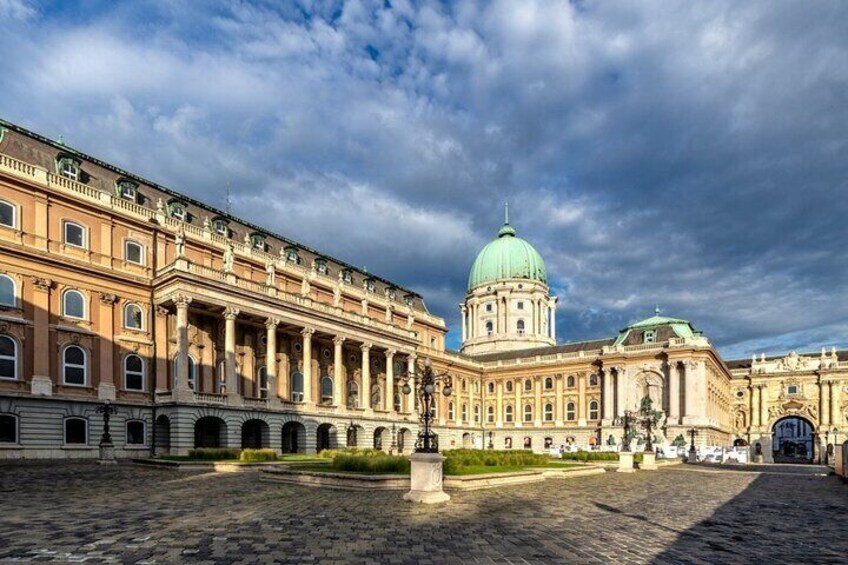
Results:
[693, 455]
[107, 453]
[649, 461]
[426, 479]
[625, 462]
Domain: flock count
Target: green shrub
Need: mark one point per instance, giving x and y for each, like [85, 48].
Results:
[459, 458]
[585, 456]
[214, 453]
[255, 455]
[370, 461]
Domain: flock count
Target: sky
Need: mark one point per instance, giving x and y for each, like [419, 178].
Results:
[690, 155]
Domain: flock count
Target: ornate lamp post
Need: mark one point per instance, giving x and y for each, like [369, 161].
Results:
[426, 474]
[491, 443]
[625, 456]
[650, 418]
[351, 434]
[107, 449]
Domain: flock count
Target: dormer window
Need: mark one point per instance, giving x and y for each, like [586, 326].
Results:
[126, 189]
[68, 167]
[291, 255]
[177, 210]
[650, 336]
[408, 300]
[370, 286]
[347, 276]
[321, 265]
[221, 227]
[257, 241]
[392, 294]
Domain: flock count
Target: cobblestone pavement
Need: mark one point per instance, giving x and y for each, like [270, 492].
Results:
[74, 512]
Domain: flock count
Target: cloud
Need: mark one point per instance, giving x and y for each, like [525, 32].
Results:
[684, 154]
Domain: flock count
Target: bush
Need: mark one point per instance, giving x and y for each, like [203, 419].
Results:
[255, 455]
[214, 453]
[370, 461]
[459, 458]
[585, 456]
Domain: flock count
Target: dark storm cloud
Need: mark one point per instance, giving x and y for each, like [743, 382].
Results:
[687, 154]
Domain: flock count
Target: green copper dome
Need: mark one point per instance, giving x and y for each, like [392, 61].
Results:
[507, 257]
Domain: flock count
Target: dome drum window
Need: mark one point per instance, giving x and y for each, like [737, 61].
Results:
[126, 189]
[519, 326]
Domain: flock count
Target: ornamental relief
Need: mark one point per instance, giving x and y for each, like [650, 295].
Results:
[793, 407]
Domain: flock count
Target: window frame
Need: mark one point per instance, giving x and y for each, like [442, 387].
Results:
[549, 383]
[142, 374]
[125, 312]
[65, 441]
[84, 299]
[327, 399]
[16, 359]
[262, 380]
[14, 283]
[548, 412]
[141, 252]
[84, 366]
[509, 414]
[508, 386]
[296, 395]
[133, 445]
[570, 412]
[16, 426]
[596, 410]
[75, 171]
[527, 414]
[490, 414]
[84, 229]
[14, 208]
[192, 371]
[649, 336]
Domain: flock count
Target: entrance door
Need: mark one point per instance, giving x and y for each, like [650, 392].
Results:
[792, 440]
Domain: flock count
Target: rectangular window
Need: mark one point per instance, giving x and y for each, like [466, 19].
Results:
[134, 253]
[650, 336]
[69, 169]
[520, 305]
[7, 215]
[74, 235]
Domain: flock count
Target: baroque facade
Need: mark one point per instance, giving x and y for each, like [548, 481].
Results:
[205, 330]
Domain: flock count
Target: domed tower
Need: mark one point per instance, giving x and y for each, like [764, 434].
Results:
[508, 305]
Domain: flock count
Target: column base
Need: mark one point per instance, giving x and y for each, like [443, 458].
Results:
[426, 479]
[649, 461]
[625, 462]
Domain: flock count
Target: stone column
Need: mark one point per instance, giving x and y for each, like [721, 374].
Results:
[231, 376]
[182, 302]
[107, 387]
[620, 379]
[538, 409]
[365, 389]
[41, 383]
[553, 318]
[499, 407]
[464, 314]
[410, 398]
[673, 393]
[271, 358]
[161, 322]
[581, 399]
[608, 393]
[834, 404]
[763, 404]
[339, 380]
[559, 402]
[755, 407]
[518, 413]
[824, 405]
[389, 397]
[307, 363]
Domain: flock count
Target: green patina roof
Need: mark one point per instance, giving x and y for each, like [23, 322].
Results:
[507, 257]
[681, 328]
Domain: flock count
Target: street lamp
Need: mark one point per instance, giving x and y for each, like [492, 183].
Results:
[693, 454]
[428, 385]
[107, 450]
[491, 443]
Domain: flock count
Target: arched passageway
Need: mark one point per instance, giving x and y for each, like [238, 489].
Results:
[210, 431]
[382, 439]
[467, 441]
[162, 435]
[353, 433]
[255, 434]
[404, 441]
[294, 438]
[327, 437]
[793, 440]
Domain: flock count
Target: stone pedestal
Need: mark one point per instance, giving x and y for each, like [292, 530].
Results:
[426, 479]
[625, 462]
[107, 454]
[693, 456]
[649, 461]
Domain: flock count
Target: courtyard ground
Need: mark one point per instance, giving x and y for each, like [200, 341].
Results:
[75, 512]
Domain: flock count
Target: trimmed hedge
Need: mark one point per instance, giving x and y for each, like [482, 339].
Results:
[256, 455]
[597, 456]
[370, 461]
[457, 459]
[214, 453]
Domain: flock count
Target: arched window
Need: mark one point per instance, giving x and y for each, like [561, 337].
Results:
[327, 389]
[528, 442]
[133, 372]
[376, 396]
[73, 234]
[507, 443]
[464, 412]
[192, 370]
[569, 412]
[73, 304]
[508, 413]
[8, 358]
[8, 296]
[76, 431]
[509, 386]
[8, 214]
[297, 387]
[489, 328]
[476, 413]
[549, 383]
[74, 366]
[450, 411]
[396, 401]
[490, 387]
[8, 428]
[528, 413]
[490, 414]
[136, 433]
[593, 379]
[262, 379]
[134, 252]
[520, 327]
[549, 412]
[133, 317]
[570, 382]
[352, 394]
[593, 410]
[528, 385]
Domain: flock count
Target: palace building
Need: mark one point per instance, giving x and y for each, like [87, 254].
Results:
[204, 330]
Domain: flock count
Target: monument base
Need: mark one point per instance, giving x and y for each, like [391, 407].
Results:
[625, 462]
[693, 456]
[649, 461]
[426, 479]
[107, 454]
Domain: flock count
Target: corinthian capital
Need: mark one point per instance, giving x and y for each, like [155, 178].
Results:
[182, 301]
[231, 313]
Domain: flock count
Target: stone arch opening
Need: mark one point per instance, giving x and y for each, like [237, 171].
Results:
[162, 435]
[210, 431]
[294, 438]
[255, 434]
[404, 441]
[353, 433]
[467, 441]
[382, 438]
[327, 437]
[793, 440]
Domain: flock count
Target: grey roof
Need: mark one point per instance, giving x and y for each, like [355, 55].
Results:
[592, 345]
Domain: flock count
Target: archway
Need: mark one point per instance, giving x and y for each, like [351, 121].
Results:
[210, 431]
[255, 434]
[353, 433]
[382, 439]
[404, 441]
[162, 435]
[792, 440]
[327, 437]
[294, 438]
[467, 442]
